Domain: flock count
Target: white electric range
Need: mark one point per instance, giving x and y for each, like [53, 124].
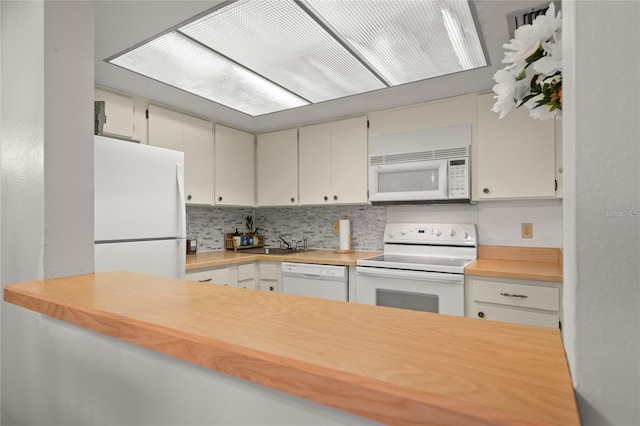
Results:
[422, 268]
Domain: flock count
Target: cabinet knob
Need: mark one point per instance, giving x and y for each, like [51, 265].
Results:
[293, 199]
[189, 197]
[219, 198]
[481, 314]
[335, 197]
[486, 190]
[271, 288]
[326, 198]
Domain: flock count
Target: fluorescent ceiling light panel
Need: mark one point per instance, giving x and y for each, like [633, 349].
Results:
[175, 60]
[264, 56]
[280, 41]
[406, 40]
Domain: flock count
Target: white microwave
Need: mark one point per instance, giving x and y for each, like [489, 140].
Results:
[430, 166]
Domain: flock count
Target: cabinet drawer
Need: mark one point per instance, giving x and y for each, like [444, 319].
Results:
[268, 271]
[529, 296]
[246, 271]
[212, 276]
[515, 316]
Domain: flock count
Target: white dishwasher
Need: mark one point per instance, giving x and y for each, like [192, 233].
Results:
[321, 281]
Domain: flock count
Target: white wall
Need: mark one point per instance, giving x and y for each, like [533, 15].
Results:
[601, 91]
[498, 222]
[47, 170]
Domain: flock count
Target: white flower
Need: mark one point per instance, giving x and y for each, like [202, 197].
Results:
[505, 92]
[552, 62]
[533, 55]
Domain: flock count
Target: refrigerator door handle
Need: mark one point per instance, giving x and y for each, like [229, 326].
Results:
[183, 209]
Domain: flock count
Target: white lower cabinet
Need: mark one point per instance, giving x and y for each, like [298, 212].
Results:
[270, 276]
[513, 300]
[247, 275]
[242, 275]
[223, 275]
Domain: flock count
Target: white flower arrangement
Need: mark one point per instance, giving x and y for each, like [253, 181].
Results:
[533, 75]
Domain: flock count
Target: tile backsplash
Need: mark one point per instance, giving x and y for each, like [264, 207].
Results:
[208, 225]
[498, 222]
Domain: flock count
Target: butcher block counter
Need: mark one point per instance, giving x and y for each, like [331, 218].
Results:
[527, 263]
[388, 365]
[210, 259]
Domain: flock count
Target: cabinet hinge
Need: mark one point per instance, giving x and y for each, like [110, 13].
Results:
[556, 185]
[146, 114]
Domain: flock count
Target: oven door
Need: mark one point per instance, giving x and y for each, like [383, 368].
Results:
[410, 181]
[421, 291]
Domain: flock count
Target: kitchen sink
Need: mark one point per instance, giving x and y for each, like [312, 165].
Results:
[275, 251]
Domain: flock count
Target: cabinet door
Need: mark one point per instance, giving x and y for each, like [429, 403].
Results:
[198, 158]
[193, 136]
[234, 167]
[277, 164]
[166, 129]
[349, 161]
[119, 111]
[315, 164]
[220, 276]
[515, 154]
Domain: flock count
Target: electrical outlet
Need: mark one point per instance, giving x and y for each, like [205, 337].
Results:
[527, 230]
[336, 226]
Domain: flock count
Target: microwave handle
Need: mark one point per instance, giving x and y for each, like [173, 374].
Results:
[412, 275]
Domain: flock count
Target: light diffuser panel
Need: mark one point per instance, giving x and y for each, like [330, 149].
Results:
[175, 60]
[264, 56]
[406, 40]
[280, 41]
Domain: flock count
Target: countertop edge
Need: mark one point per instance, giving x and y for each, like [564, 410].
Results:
[516, 269]
[315, 256]
[358, 395]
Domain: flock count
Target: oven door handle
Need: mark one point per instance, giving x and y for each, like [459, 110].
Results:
[412, 275]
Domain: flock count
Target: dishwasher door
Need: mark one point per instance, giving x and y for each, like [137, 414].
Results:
[311, 280]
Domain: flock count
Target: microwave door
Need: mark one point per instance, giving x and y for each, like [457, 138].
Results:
[410, 181]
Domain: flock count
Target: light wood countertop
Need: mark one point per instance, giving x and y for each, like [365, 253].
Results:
[227, 257]
[518, 269]
[390, 365]
[526, 263]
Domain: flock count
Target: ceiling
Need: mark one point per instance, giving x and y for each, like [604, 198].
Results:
[122, 24]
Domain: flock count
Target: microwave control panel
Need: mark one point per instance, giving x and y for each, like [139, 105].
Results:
[458, 178]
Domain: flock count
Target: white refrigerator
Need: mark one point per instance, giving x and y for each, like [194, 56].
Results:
[140, 216]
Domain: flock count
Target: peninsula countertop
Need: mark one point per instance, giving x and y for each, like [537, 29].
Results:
[209, 259]
[389, 365]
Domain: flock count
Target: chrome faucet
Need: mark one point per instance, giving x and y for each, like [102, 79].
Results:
[283, 242]
[304, 244]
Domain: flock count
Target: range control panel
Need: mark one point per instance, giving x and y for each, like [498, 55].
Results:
[438, 233]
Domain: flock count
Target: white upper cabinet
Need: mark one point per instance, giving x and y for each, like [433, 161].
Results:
[440, 113]
[234, 167]
[120, 111]
[333, 162]
[198, 159]
[193, 136]
[514, 157]
[349, 160]
[277, 168]
[315, 164]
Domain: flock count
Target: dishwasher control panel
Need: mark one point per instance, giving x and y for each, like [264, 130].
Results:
[314, 270]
